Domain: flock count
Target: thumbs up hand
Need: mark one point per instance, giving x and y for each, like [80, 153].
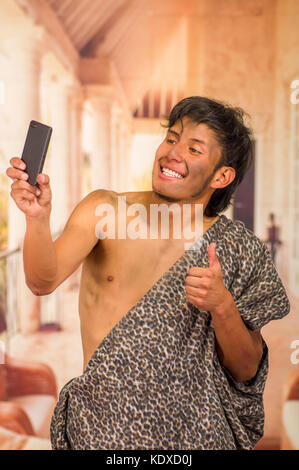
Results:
[205, 287]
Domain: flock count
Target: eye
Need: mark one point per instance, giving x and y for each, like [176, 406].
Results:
[193, 150]
[171, 141]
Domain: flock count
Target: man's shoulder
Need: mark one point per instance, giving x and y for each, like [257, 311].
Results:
[86, 209]
[99, 200]
[99, 196]
[236, 230]
[136, 197]
[109, 196]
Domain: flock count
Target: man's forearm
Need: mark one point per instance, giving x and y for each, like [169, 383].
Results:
[39, 255]
[239, 349]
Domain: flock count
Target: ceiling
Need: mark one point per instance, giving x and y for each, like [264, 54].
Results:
[83, 19]
[146, 40]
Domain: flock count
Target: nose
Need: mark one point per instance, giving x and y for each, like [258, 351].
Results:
[176, 153]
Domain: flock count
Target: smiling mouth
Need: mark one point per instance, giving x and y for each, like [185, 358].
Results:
[170, 173]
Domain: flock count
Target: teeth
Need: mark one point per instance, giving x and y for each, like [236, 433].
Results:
[172, 173]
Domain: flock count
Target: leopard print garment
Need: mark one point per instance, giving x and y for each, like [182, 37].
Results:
[155, 381]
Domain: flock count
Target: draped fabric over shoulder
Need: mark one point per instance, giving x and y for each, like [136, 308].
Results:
[155, 382]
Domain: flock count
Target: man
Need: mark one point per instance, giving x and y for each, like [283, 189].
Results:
[173, 355]
[272, 240]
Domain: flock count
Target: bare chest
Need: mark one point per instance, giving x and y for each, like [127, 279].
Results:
[130, 267]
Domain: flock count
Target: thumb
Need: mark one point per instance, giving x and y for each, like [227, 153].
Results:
[43, 181]
[213, 259]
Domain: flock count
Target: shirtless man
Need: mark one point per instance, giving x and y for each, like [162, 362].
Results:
[116, 273]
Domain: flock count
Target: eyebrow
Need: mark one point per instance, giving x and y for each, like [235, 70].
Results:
[192, 139]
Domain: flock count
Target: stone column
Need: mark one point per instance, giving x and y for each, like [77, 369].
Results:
[101, 170]
[22, 49]
[121, 134]
[59, 161]
[124, 153]
[74, 160]
[116, 151]
[75, 145]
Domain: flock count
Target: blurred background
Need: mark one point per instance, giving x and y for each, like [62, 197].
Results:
[104, 74]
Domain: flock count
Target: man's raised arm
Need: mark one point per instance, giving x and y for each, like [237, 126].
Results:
[46, 263]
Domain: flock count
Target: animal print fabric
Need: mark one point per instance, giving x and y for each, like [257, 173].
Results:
[155, 381]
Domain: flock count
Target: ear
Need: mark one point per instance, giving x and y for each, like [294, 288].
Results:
[223, 177]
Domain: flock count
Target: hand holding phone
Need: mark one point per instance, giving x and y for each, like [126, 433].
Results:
[35, 149]
[30, 188]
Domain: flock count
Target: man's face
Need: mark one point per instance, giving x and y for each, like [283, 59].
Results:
[192, 153]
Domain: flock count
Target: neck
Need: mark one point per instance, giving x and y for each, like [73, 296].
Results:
[156, 198]
[191, 210]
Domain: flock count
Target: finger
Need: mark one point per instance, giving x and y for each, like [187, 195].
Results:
[195, 281]
[23, 194]
[23, 185]
[43, 179]
[192, 291]
[17, 162]
[197, 302]
[197, 292]
[200, 272]
[16, 174]
[192, 298]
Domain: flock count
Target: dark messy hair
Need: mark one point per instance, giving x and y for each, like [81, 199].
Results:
[233, 136]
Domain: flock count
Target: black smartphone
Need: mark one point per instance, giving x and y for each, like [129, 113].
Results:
[35, 149]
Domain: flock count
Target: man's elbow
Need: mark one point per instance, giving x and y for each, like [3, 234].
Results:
[40, 290]
[245, 369]
[249, 369]
[247, 374]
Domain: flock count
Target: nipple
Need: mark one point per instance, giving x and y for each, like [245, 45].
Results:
[110, 278]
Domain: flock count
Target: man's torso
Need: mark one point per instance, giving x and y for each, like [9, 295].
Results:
[118, 272]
